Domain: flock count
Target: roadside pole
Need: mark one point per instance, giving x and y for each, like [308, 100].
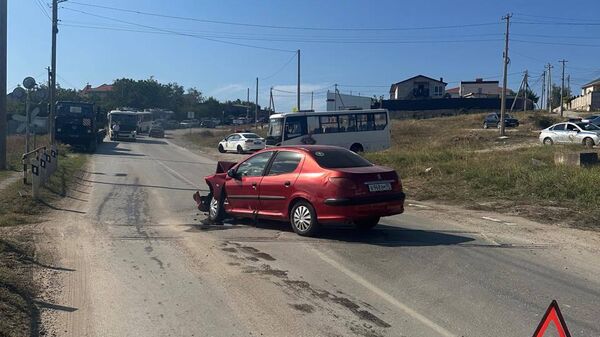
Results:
[256, 107]
[3, 45]
[525, 87]
[505, 60]
[562, 87]
[298, 93]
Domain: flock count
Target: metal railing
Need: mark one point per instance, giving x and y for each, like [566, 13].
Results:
[41, 162]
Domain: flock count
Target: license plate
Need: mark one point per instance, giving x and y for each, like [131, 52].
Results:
[380, 187]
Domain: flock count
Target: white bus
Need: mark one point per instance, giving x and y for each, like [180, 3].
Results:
[357, 130]
[127, 122]
[144, 121]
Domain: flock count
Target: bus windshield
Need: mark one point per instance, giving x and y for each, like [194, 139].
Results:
[275, 131]
[124, 119]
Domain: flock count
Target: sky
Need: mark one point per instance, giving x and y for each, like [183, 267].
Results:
[221, 47]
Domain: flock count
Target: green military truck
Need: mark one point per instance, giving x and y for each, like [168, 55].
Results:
[79, 125]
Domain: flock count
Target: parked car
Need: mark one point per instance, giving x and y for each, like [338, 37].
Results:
[156, 131]
[171, 124]
[306, 185]
[208, 124]
[242, 142]
[594, 119]
[493, 121]
[587, 134]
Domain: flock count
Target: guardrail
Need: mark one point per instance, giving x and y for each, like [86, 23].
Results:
[41, 162]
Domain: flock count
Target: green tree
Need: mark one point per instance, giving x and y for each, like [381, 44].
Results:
[530, 95]
[556, 95]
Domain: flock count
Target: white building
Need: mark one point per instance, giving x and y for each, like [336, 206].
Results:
[418, 87]
[337, 101]
[589, 100]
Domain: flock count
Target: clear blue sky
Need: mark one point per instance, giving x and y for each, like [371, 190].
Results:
[225, 71]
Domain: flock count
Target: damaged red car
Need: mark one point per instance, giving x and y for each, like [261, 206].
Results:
[306, 185]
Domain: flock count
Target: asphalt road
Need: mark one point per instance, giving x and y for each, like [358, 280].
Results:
[137, 261]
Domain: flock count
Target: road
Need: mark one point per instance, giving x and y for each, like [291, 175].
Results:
[133, 259]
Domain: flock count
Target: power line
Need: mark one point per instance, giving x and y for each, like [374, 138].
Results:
[329, 41]
[41, 7]
[280, 27]
[180, 33]
[553, 23]
[280, 69]
[557, 43]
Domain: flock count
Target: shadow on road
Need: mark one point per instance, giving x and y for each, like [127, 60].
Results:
[381, 235]
[143, 186]
[110, 148]
[151, 141]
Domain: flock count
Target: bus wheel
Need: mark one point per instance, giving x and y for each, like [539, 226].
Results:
[356, 148]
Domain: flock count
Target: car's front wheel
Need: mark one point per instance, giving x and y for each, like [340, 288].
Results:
[239, 149]
[304, 219]
[366, 223]
[548, 141]
[221, 149]
[215, 210]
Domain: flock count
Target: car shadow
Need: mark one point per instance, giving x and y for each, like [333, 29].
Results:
[382, 235]
[110, 148]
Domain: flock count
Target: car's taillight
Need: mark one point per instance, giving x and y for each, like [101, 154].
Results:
[344, 183]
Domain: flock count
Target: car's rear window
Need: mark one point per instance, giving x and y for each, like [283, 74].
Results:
[250, 135]
[339, 158]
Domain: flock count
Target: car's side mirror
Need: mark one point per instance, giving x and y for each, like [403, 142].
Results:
[232, 174]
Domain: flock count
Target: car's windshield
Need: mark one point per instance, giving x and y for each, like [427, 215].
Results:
[588, 126]
[339, 158]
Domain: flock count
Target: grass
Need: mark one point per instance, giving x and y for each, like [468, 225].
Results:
[18, 313]
[453, 159]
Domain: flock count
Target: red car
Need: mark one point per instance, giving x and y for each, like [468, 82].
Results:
[307, 185]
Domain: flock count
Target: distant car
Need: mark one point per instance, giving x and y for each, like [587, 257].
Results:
[208, 124]
[172, 125]
[493, 121]
[594, 119]
[587, 134]
[156, 131]
[306, 185]
[242, 142]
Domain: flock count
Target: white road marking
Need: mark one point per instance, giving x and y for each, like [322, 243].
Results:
[176, 173]
[417, 205]
[491, 219]
[387, 297]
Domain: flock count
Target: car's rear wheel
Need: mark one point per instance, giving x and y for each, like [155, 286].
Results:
[356, 148]
[548, 141]
[215, 210]
[588, 142]
[221, 149]
[366, 223]
[239, 149]
[304, 219]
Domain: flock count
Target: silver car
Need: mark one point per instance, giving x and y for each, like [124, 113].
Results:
[587, 134]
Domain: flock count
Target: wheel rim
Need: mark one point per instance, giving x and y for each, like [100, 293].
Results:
[214, 208]
[302, 218]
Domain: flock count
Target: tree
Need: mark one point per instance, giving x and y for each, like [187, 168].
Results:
[556, 95]
[532, 96]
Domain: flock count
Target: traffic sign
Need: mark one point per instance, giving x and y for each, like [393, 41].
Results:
[552, 315]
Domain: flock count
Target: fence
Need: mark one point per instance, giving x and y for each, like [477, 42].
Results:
[41, 162]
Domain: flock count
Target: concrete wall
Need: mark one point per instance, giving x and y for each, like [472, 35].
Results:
[588, 102]
[343, 101]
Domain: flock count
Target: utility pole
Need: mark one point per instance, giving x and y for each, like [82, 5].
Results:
[248, 103]
[271, 102]
[312, 93]
[256, 107]
[562, 86]
[503, 94]
[3, 45]
[543, 88]
[52, 88]
[335, 97]
[549, 96]
[298, 93]
[519, 92]
[525, 87]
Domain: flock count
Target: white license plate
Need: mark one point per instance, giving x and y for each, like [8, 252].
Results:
[380, 187]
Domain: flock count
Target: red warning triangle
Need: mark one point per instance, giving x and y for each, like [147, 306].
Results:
[553, 314]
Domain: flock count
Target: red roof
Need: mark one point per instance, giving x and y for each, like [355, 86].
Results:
[103, 88]
[453, 90]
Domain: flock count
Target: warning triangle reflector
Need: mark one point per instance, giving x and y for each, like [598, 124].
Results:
[552, 314]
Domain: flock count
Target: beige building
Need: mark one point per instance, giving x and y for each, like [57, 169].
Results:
[589, 100]
[418, 87]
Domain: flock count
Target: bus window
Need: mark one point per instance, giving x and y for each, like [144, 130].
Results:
[329, 124]
[347, 123]
[313, 124]
[380, 121]
[295, 127]
[365, 122]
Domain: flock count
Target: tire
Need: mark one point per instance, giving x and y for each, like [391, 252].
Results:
[588, 142]
[303, 219]
[239, 149]
[221, 149]
[366, 223]
[548, 141]
[356, 148]
[215, 210]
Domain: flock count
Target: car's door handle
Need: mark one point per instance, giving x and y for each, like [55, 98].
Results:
[287, 184]
[254, 185]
